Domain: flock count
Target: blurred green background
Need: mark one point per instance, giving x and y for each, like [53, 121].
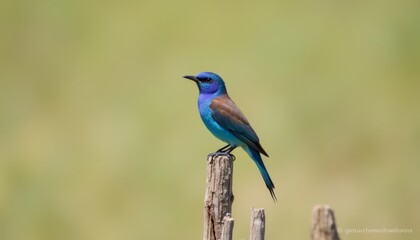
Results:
[101, 137]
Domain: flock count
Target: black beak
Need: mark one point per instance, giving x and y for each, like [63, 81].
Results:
[191, 78]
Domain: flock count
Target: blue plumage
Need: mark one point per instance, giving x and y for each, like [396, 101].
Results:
[224, 119]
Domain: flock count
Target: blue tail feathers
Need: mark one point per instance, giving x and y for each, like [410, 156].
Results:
[258, 160]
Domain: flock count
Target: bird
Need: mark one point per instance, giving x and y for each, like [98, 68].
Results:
[225, 121]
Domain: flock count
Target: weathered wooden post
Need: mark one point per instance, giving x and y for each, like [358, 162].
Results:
[227, 229]
[218, 199]
[323, 223]
[257, 230]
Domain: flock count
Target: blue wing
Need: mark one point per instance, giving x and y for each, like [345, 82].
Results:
[228, 115]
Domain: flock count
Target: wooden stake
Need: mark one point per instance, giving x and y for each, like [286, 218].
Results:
[323, 223]
[218, 199]
[227, 229]
[257, 224]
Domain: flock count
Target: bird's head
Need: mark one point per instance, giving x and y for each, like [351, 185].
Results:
[208, 82]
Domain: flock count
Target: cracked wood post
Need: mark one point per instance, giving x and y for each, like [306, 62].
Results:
[323, 223]
[257, 231]
[218, 199]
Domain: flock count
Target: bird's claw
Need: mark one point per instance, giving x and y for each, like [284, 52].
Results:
[217, 154]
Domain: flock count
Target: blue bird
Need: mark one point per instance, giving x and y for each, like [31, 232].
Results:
[225, 121]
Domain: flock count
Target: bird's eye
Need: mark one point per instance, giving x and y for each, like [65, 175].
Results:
[205, 79]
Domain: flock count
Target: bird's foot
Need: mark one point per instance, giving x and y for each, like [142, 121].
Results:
[217, 154]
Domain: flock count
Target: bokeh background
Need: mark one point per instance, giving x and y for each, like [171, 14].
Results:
[100, 137]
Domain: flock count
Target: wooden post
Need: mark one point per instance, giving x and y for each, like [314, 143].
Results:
[227, 229]
[323, 223]
[218, 199]
[257, 224]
